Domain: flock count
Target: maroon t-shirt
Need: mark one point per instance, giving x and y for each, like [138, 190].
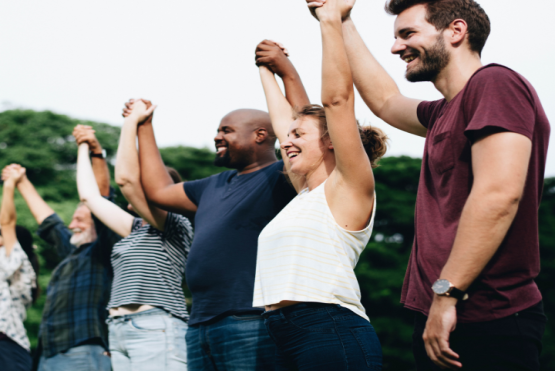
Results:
[499, 99]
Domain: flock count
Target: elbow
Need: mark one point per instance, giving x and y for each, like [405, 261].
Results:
[126, 182]
[502, 203]
[337, 100]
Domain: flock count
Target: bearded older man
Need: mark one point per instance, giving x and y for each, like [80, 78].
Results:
[73, 333]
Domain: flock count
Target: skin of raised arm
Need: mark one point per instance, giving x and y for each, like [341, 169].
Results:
[500, 165]
[8, 217]
[128, 171]
[281, 114]
[377, 88]
[84, 133]
[350, 192]
[39, 208]
[273, 56]
[158, 186]
[107, 212]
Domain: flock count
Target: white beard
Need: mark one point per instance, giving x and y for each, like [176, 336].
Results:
[81, 238]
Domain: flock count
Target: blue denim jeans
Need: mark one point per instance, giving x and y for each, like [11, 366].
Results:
[82, 358]
[149, 340]
[316, 336]
[234, 343]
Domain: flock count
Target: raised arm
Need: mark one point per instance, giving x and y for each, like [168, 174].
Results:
[85, 134]
[276, 58]
[11, 175]
[107, 212]
[376, 87]
[39, 208]
[128, 171]
[158, 186]
[338, 99]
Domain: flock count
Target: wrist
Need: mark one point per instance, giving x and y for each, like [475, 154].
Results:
[9, 184]
[446, 301]
[332, 20]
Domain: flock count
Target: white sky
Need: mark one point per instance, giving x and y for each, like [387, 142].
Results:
[195, 59]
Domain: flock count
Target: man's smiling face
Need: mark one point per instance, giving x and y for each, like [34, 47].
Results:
[419, 44]
[234, 142]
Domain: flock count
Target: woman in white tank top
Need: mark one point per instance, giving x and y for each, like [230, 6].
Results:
[306, 255]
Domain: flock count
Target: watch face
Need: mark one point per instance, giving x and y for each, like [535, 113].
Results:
[441, 287]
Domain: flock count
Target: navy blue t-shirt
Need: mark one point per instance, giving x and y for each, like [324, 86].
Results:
[232, 211]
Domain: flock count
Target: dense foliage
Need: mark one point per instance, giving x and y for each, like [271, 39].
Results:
[42, 142]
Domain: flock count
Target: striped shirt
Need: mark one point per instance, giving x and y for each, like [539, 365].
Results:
[304, 255]
[149, 266]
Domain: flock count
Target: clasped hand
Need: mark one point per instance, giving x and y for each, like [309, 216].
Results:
[141, 109]
[13, 174]
[328, 9]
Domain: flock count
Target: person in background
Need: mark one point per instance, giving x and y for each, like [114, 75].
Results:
[306, 256]
[73, 333]
[17, 279]
[470, 278]
[230, 209]
[148, 313]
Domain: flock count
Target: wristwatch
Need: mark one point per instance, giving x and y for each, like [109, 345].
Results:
[98, 155]
[446, 288]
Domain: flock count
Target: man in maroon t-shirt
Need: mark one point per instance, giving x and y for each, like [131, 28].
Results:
[476, 249]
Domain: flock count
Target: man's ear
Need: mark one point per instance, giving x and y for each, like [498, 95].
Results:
[261, 135]
[458, 29]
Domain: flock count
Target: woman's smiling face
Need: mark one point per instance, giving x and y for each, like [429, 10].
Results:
[305, 146]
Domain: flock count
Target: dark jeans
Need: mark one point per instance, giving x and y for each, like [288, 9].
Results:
[315, 336]
[506, 344]
[234, 343]
[13, 357]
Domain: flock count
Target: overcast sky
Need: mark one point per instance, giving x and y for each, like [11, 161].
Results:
[195, 59]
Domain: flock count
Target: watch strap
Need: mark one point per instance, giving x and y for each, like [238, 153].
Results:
[458, 294]
[98, 155]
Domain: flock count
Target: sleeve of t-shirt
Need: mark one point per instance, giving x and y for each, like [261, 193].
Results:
[427, 112]
[137, 224]
[497, 98]
[54, 232]
[195, 189]
[178, 228]
[10, 264]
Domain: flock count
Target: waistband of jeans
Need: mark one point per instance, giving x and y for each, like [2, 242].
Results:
[148, 312]
[296, 307]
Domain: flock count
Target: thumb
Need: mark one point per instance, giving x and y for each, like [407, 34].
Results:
[150, 110]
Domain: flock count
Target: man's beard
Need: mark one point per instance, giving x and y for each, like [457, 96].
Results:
[242, 156]
[82, 238]
[432, 62]
[223, 161]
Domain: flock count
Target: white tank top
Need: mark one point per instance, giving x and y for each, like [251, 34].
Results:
[304, 255]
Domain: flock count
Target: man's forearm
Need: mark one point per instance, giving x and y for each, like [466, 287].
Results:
[102, 175]
[294, 89]
[39, 208]
[371, 80]
[484, 223]
[154, 176]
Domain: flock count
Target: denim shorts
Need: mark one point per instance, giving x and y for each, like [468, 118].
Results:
[149, 340]
[317, 336]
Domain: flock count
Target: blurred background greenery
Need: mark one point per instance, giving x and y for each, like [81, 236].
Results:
[42, 142]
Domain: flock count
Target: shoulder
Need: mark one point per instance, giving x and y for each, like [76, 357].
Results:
[51, 220]
[177, 223]
[499, 78]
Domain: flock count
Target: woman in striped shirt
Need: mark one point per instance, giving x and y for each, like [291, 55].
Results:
[148, 313]
[306, 256]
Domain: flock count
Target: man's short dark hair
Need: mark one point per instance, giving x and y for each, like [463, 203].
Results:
[442, 12]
